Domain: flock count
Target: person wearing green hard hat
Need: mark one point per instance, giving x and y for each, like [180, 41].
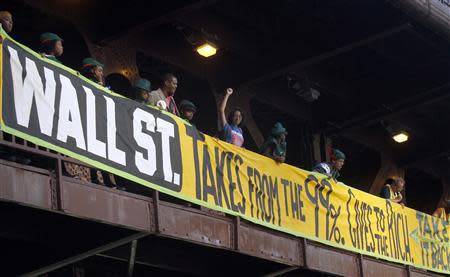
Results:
[332, 168]
[275, 145]
[6, 21]
[51, 46]
[142, 89]
[187, 110]
[93, 70]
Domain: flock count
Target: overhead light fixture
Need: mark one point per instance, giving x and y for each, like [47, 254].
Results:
[397, 132]
[207, 50]
[400, 137]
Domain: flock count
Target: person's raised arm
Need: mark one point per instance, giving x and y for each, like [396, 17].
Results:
[223, 105]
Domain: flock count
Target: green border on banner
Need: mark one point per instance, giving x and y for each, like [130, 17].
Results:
[151, 185]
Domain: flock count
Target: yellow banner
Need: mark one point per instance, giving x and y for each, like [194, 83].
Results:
[310, 205]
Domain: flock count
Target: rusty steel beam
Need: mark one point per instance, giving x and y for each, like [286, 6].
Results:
[191, 225]
[372, 267]
[237, 225]
[153, 265]
[281, 271]
[305, 257]
[339, 261]
[27, 187]
[360, 265]
[95, 202]
[156, 210]
[132, 258]
[56, 187]
[84, 255]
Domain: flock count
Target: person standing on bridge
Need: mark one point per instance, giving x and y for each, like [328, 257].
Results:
[6, 21]
[163, 96]
[51, 46]
[230, 128]
[187, 110]
[393, 191]
[332, 168]
[275, 145]
[142, 89]
[93, 70]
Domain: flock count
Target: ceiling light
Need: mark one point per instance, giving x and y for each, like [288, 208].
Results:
[207, 50]
[397, 132]
[400, 137]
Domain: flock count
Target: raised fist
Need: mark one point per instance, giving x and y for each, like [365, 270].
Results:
[229, 91]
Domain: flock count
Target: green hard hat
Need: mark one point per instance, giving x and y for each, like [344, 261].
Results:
[338, 154]
[49, 37]
[88, 62]
[187, 105]
[278, 129]
[143, 84]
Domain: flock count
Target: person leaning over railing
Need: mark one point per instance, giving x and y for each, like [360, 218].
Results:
[51, 46]
[230, 129]
[93, 70]
[75, 170]
[141, 91]
[443, 211]
[275, 145]
[163, 96]
[332, 168]
[7, 21]
[187, 110]
[393, 191]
